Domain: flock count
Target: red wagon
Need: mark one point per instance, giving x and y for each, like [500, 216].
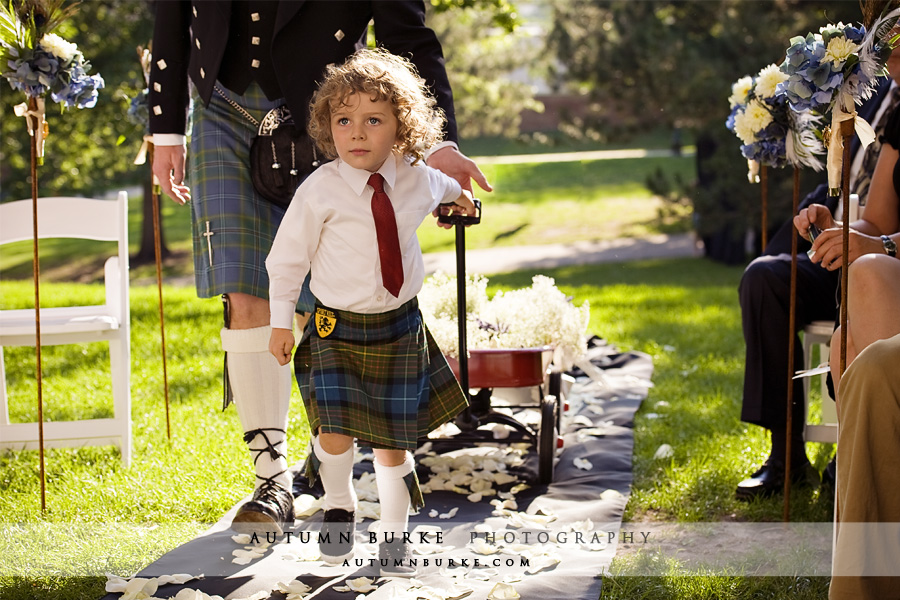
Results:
[487, 369]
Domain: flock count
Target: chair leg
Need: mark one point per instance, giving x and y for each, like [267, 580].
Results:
[120, 368]
[4, 407]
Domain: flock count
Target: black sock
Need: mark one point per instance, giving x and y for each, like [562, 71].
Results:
[779, 446]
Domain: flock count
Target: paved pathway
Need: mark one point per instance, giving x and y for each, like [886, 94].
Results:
[514, 258]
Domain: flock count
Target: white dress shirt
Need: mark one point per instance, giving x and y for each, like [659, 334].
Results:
[328, 231]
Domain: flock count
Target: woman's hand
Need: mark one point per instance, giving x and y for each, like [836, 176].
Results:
[828, 247]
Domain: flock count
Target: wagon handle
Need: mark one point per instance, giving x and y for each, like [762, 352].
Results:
[459, 219]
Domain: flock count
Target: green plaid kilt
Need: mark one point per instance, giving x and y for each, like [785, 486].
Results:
[379, 378]
[223, 201]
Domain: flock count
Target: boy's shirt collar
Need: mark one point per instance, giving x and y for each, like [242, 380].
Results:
[358, 179]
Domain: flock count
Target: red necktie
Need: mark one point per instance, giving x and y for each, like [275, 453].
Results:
[388, 240]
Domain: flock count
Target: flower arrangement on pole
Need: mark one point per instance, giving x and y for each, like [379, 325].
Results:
[834, 70]
[38, 62]
[772, 133]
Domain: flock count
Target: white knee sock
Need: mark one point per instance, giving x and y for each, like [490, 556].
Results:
[394, 496]
[336, 474]
[262, 395]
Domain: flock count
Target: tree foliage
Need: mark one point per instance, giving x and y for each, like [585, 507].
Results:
[483, 46]
[657, 63]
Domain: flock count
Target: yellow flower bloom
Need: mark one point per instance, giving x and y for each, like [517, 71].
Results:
[839, 49]
[739, 91]
[751, 120]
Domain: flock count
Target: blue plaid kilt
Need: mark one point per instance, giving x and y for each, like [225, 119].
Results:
[241, 224]
[379, 378]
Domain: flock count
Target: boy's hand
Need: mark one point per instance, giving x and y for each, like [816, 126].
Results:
[465, 203]
[281, 344]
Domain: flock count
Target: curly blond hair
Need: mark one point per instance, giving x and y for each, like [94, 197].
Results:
[384, 76]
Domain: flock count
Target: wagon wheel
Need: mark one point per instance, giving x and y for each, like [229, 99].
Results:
[547, 438]
[554, 389]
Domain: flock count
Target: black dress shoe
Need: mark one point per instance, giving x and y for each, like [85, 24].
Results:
[768, 480]
[271, 509]
[394, 560]
[337, 536]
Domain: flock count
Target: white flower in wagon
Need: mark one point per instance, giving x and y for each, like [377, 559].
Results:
[524, 318]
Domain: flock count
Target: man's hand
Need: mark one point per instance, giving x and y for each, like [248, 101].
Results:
[168, 169]
[460, 167]
[281, 344]
[815, 214]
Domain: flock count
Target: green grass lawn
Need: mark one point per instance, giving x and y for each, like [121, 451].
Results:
[684, 313]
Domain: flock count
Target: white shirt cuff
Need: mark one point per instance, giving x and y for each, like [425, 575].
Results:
[168, 139]
[281, 314]
[440, 146]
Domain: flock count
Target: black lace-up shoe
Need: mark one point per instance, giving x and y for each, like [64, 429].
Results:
[768, 480]
[394, 559]
[271, 509]
[336, 536]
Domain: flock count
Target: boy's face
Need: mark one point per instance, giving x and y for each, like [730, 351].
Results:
[364, 131]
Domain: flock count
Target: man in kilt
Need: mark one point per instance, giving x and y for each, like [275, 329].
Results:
[246, 58]
[367, 366]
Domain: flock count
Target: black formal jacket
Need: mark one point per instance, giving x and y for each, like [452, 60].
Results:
[308, 36]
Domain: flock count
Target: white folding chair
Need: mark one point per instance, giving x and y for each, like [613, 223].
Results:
[819, 333]
[86, 218]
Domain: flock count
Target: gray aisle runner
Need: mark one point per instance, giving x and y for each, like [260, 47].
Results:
[488, 530]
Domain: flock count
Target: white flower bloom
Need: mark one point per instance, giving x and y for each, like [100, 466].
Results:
[739, 91]
[751, 121]
[58, 47]
[838, 50]
[768, 79]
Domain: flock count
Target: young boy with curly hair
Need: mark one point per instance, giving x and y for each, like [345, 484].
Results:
[367, 367]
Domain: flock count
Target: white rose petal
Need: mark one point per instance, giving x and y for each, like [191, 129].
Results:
[180, 578]
[585, 526]
[295, 590]
[664, 451]
[503, 591]
[481, 546]
[541, 563]
[504, 478]
[305, 505]
[450, 514]
[476, 497]
[433, 513]
[610, 494]
[583, 464]
[362, 585]
[242, 539]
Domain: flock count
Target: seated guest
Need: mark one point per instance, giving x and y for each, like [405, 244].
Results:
[764, 297]
[867, 506]
[873, 293]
